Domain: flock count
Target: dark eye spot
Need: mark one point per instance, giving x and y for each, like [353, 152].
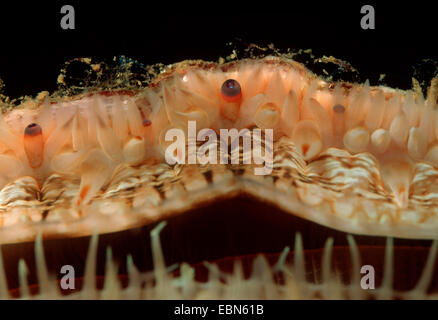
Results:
[338, 108]
[33, 129]
[146, 123]
[231, 88]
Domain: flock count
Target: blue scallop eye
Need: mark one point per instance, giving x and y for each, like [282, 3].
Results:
[231, 88]
[33, 129]
[338, 108]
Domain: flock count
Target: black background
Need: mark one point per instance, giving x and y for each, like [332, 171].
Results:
[33, 47]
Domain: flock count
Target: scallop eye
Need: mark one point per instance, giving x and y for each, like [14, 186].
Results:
[34, 145]
[231, 89]
[338, 108]
[32, 129]
[146, 123]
